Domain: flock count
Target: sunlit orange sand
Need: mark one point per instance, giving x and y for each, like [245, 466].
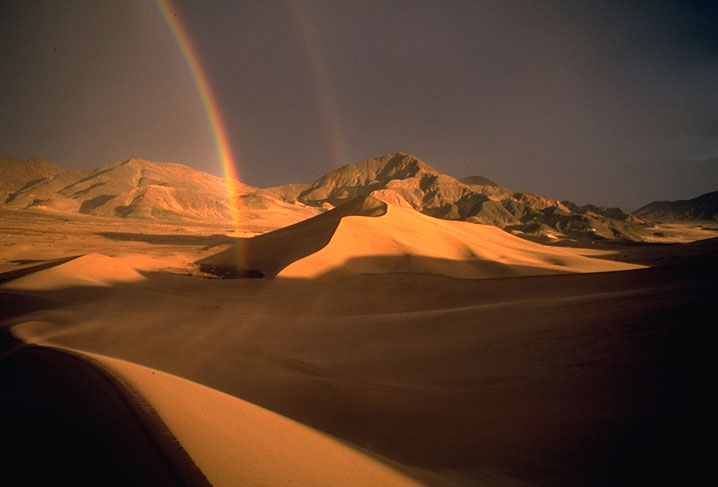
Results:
[391, 349]
[234, 442]
[222, 264]
[369, 236]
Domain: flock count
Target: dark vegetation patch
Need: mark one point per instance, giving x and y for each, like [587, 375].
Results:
[230, 272]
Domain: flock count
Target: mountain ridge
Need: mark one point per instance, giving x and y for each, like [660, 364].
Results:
[703, 207]
[474, 199]
[137, 188]
[168, 191]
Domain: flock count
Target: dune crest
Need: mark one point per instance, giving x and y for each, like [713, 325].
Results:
[87, 270]
[236, 443]
[269, 253]
[404, 240]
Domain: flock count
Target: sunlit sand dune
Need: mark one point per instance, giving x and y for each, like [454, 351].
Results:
[404, 240]
[234, 442]
[86, 270]
[271, 252]
[366, 235]
[393, 368]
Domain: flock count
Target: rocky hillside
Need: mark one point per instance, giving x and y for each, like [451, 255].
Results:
[704, 207]
[137, 188]
[19, 177]
[401, 178]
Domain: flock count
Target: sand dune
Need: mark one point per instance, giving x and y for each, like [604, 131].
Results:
[366, 235]
[271, 252]
[564, 379]
[555, 379]
[87, 270]
[404, 240]
[236, 443]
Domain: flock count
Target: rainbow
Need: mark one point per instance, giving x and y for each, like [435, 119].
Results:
[210, 105]
[311, 44]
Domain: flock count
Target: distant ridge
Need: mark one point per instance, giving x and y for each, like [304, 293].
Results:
[136, 188]
[703, 207]
[474, 199]
[478, 181]
[172, 192]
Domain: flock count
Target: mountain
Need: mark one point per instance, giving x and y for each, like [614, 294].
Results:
[478, 181]
[163, 191]
[33, 183]
[704, 207]
[476, 199]
[137, 188]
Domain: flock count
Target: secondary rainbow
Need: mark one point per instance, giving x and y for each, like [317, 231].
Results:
[312, 46]
[209, 103]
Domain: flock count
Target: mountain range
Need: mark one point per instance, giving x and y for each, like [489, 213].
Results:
[704, 207]
[174, 192]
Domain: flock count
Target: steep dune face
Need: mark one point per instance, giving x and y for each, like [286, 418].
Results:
[232, 442]
[404, 240]
[236, 443]
[366, 235]
[267, 254]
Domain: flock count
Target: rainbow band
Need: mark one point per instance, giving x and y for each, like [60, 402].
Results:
[209, 102]
[312, 45]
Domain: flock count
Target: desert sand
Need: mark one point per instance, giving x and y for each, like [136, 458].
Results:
[383, 347]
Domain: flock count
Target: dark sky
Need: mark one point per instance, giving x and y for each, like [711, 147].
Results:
[613, 103]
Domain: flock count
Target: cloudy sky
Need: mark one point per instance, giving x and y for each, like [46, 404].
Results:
[608, 102]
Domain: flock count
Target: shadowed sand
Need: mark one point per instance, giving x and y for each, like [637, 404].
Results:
[565, 379]
[237, 443]
[233, 442]
[555, 379]
[366, 235]
[457, 249]
[271, 252]
[65, 419]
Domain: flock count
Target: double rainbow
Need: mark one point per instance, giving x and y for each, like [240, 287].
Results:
[309, 38]
[308, 35]
[210, 105]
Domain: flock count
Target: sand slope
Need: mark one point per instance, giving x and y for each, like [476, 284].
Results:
[564, 379]
[404, 240]
[366, 235]
[236, 443]
[87, 270]
[232, 441]
[571, 379]
[568, 379]
[270, 252]
[68, 421]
